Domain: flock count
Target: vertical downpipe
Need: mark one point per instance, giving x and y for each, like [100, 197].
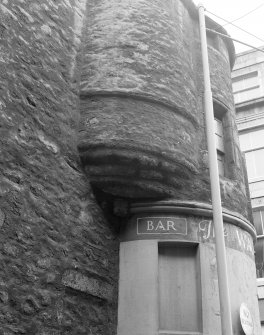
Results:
[225, 306]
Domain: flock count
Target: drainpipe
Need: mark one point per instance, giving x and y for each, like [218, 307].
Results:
[225, 307]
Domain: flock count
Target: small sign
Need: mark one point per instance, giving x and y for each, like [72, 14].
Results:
[161, 225]
[246, 320]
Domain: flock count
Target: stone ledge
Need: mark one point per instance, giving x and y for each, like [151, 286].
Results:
[194, 208]
[78, 281]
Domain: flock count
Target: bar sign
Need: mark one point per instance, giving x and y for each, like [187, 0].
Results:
[161, 225]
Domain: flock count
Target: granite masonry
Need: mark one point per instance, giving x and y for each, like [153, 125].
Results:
[101, 121]
[59, 255]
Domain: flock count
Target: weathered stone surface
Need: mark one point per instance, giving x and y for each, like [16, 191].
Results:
[49, 220]
[140, 79]
[137, 96]
[127, 144]
[92, 286]
[142, 49]
[2, 218]
[142, 127]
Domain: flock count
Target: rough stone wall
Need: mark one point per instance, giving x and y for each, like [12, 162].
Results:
[59, 256]
[142, 126]
[137, 96]
[234, 186]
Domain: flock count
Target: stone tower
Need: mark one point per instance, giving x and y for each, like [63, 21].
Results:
[104, 142]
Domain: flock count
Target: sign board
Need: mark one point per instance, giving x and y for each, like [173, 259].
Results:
[185, 228]
[161, 225]
[246, 320]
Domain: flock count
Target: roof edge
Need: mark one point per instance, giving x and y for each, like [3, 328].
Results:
[211, 24]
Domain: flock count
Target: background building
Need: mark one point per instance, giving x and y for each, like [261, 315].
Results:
[248, 88]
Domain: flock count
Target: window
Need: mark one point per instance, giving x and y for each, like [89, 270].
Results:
[246, 87]
[219, 133]
[259, 257]
[252, 143]
[256, 189]
[221, 163]
[245, 81]
[252, 140]
[219, 137]
[258, 217]
[255, 164]
[179, 289]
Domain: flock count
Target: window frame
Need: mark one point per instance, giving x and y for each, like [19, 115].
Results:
[252, 148]
[219, 119]
[192, 249]
[246, 86]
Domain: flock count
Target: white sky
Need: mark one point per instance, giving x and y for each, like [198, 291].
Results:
[233, 9]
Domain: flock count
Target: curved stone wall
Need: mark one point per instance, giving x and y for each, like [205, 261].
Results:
[59, 255]
[142, 131]
[133, 93]
[189, 224]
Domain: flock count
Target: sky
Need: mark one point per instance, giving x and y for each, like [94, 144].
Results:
[233, 9]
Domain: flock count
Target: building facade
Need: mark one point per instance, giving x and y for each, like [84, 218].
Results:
[248, 88]
[106, 216]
